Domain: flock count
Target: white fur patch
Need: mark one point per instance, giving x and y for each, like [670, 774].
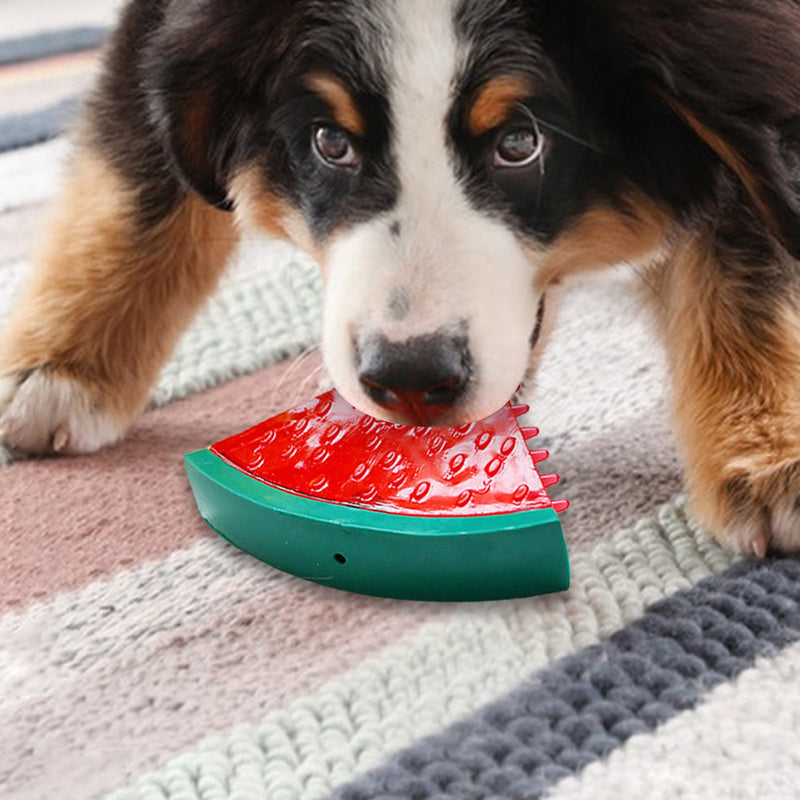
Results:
[48, 413]
[453, 265]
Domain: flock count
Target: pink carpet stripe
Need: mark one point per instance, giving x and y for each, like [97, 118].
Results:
[18, 231]
[28, 98]
[183, 647]
[71, 521]
[66, 65]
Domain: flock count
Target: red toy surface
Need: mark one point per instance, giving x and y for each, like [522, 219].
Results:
[327, 450]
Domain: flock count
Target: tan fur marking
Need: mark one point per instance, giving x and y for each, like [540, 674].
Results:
[108, 300]
[194, 133]
[735, 394]
[333, 92]
[495, 102]
[257, 207]
[728, 154]
[604, 236]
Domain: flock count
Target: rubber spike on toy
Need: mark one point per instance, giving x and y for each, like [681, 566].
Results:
[520, 410]
[539, 455]
[529, 433]
[560, 505]
[549, 480]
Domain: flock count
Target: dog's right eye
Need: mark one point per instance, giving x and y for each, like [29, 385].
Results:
[518, 146]
[334, 147]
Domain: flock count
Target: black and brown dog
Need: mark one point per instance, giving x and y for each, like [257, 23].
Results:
[448, 162]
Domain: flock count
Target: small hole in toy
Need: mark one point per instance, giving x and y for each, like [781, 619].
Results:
[340, 559]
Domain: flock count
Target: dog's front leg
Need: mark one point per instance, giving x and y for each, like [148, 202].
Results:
[733, 337]
[111, 291]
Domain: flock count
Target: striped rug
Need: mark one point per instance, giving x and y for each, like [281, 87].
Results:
[142, 658]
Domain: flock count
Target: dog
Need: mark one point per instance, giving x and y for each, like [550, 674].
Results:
[449, 163]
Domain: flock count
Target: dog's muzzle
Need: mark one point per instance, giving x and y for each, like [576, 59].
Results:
[419, 380]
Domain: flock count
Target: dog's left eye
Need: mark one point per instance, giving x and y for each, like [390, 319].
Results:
[334, 147]
[518, 147]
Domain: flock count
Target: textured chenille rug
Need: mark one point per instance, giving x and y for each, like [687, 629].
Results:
[143, 658]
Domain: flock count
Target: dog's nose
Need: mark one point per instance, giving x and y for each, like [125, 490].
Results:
[418, 379]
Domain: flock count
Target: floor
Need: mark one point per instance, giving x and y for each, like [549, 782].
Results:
[26, 17]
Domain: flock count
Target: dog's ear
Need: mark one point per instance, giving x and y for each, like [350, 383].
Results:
[198, 148]
[764, 157]
[207, 73]
[731, 73]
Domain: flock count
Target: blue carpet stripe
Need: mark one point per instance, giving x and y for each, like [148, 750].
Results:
[53, 43]
[581, 709]
[25, 130]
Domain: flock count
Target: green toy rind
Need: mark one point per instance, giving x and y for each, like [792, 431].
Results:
[452, 559]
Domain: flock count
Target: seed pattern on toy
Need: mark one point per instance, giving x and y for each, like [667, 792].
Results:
[326, 449]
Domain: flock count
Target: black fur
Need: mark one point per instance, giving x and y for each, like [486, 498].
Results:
[733, 63]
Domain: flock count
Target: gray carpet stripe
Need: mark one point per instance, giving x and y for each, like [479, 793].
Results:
[24, 130]
[578, 711]
[51, 43]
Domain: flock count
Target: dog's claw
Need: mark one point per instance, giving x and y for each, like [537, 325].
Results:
[61, 439]
[759, 546]
[51, 413]
[751, 538]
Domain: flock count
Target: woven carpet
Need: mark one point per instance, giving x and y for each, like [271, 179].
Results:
[143, 658]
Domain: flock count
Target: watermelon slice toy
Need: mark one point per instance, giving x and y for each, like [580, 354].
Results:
[334, 496]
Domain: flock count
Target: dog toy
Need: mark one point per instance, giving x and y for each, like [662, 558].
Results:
[334, 496]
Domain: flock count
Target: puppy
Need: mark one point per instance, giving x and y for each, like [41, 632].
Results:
[448, 163]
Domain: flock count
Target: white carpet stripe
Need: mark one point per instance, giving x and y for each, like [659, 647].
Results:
[31, 175]
[14, 275]
[742, 743]
[23, 18]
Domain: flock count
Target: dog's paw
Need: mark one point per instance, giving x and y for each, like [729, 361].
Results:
[755, 509]
[42, 412]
